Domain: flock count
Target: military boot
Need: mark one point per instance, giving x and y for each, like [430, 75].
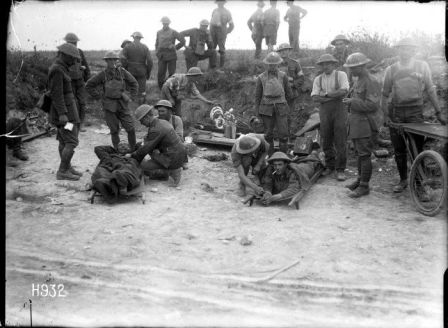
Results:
[66, 175]
[352, 186]
[362, 190]
[176, 175]
[64, 172]
[157, 174]
[74, 171]
[20, 154]
[401, 186]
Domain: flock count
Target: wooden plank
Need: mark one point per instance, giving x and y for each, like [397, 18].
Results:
[209, 139]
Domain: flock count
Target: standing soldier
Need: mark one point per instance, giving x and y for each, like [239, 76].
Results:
[405, 81]
[340, 51]
[63, 112]
[293, 17]
[166, 50]
[329, 88]
[199, 37]
[364, 105]
[120, 54]
[138, 63]
[79, 73]
[221, 17]
[113, 81]
[295, 75]
[272, 94]
[255, 24]
[271, 23]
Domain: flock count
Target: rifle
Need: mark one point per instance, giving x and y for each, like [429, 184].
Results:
[251, 199]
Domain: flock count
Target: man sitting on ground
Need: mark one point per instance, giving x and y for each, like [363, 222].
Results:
[115, 174]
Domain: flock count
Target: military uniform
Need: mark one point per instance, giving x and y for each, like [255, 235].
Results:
[166, 52]
[362, 128]
[137, 60]
[272, 94]
[221, 17]
[286, 184]
[271, 23]
[293, 18]
[79, 76]
[161, 136]
[113, 82]
[251, 159]
[296, 78]
[176, 87]
[255, 24]
[196, 47]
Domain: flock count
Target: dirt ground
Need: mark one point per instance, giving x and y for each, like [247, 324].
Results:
[177, 260]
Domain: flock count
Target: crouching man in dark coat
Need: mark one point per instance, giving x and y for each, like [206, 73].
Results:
[115, 174]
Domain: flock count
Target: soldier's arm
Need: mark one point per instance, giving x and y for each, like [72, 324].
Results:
[151, 141]
[181, 40]
[266, 181]
[157, 42]
[386, 90]
[292, 189]
[250, 22]
[430, 87]
[94, 82]
[166, 93]
[343, 86]
[303, 12]
[299, 77]
[179, 127]
[149, 63]
[231, 25]
[287, 87]
[57, 92]
[103, 152]
[258, 95]
[86, 71]
[131, 82]
[209, 41]
[370, 104]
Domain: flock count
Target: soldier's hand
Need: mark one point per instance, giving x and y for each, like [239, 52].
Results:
[259, 190]
[63, 119]
[256, 170]
[128, 155]
[440, 118]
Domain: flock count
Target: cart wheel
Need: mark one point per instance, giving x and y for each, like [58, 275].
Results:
[428, 182]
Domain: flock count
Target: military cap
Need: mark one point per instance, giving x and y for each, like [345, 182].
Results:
[165, 20]
[71, 37]
[70, 50]
[406, 42]
[194, 71]
[356, 59]
[204, 22]
[163, 103]
[144, 110]
[246, 144]
[111, 55]
[326, 58]
[340, 37]
[279, 156]
[284, 46]
[137, 35]
[273, 58]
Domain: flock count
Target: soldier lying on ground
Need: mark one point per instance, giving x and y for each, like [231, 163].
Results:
[115, 174]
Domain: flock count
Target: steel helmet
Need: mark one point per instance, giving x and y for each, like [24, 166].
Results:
[142, 111]
[163, 103]
[356, 59]
[260, 4]
[247, 143]
[71, 37]
[194, 71]
[406, 42]
[204, 22]
[124, 43]
[326, 58]
[284, 46]
[340, 37]
[165, 20]
[279, 156]
[111, 55]
[123, 147]
[137, 35]
[70, 50]
[273, 58]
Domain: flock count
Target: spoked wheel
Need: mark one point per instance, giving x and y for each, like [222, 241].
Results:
[428, 182]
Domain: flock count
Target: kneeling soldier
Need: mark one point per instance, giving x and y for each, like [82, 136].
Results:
[362, 128]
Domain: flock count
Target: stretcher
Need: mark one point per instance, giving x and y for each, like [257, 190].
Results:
[138, 192]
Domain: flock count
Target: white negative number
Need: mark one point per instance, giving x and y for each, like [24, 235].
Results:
[61, 292]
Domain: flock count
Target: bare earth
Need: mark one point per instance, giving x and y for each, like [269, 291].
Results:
[178, 260]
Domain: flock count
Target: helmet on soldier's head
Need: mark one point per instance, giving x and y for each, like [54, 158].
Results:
[165, 20]
[279, 156]
[247, 144]
[284, 46]
[124, 43]
[111, 55]
[70, 50]
[326, 58]
[193, 71]
[204, 22]
[356, 59]
[137, 35]
[273, 58]
[340, 37]
[71, 37]
[143, 110]
[163, 103]
[260, 4]
[123, 147]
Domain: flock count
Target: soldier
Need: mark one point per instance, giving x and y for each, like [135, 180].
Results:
[139, 63]
[293, 17]
[249, 151]
[79, 73]
[63, 112]
[405, 81]
[199, 37]
[272, 94]
[295, 76]
[340, 51]
[183, 86]
[364, 105]
[329, 88]
[255, 24]
[221, 17]
[162, 144]
[166, 50]
[271, 23]
[120, 54]
[113, 81]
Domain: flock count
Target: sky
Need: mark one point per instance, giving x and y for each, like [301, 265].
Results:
[103, 25]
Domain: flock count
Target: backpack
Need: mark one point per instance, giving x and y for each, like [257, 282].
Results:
[407, 84]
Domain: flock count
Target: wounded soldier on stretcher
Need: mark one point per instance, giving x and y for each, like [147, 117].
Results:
[283, 179]
[115, 174]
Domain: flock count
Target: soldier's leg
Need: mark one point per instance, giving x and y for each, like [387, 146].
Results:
[211, 55]
[113, 123]
[68, 141]
[269, 123]
[154, 170]
[15, 144]
[340, 137]
[281, 120]
[127, 122]
[141, 89]
[214, 30]
[172, 67]
[258, 38]
[222, 36]
[364, 148]
[161, 72]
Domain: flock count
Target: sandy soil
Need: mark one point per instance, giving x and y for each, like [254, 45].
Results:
[178, 260]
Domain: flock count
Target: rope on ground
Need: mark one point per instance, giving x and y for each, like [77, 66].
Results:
[275, 274]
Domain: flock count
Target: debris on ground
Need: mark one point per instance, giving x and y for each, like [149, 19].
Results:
[206, 187]
[215, 157]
